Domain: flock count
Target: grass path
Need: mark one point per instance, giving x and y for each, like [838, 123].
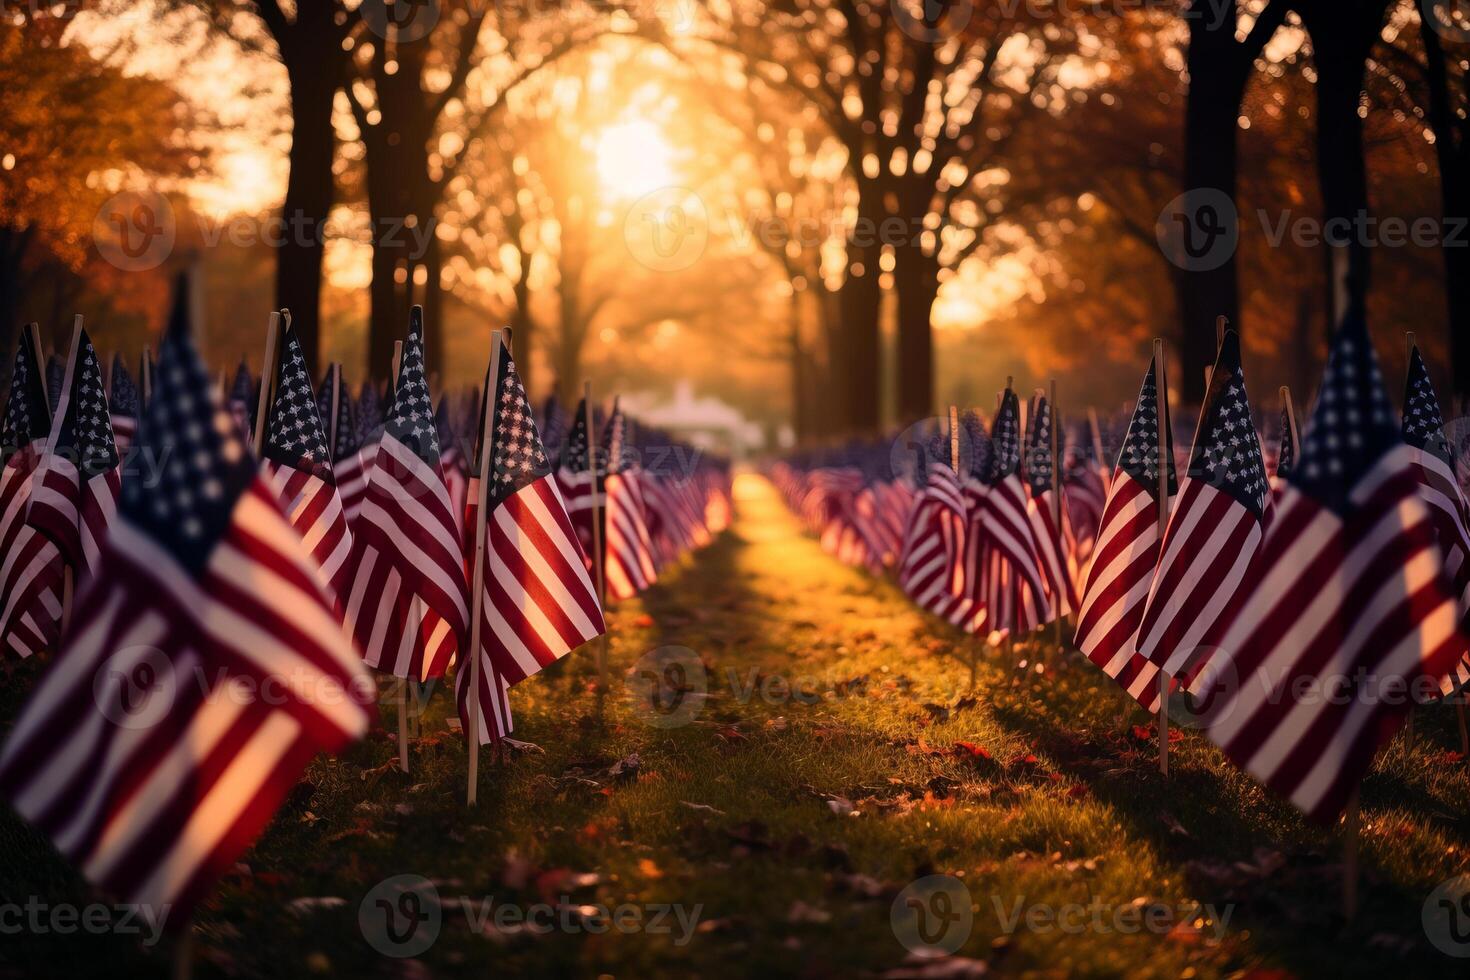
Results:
[834, 757]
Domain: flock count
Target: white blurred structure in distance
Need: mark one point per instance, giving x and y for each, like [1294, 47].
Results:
[708, 423]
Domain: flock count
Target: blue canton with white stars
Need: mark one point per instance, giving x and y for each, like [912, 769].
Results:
[1038, 447]
[1423, 423]
[615, 449]
[975, 444]
[520, 458]
[1140, 455]
[1005, 437]
[205, 465]
[1227, 453]
[295, 435]
[124, 397]
[86, 432]
[20, 419]
[574, 457]
[1286, 455]
[411, 420]
[1352, 425]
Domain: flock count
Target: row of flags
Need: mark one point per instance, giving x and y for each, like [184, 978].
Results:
[234, 594]
[1297, 604]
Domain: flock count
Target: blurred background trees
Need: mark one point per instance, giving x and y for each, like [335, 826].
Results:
[835, 215]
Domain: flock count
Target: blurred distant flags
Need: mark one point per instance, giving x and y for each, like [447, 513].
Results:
[1347, 593]
[1127, 550]
[1285, 452]
[1046, 513]
[452, 462]
[580, 486]
[628, 561]
[538, 601]
[76, 487]
[30, 563]
[297, 464]
[407, 605]
[1214, 527]
[144, 753]
[1439, 488]
[1434, 464]
[242, 399]
[122, 405]
[931, 561]
[1012, 586]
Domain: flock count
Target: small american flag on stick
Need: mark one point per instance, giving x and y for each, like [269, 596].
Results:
[408, 605]
[297, 465]
[146, 753]
[1346, 596]
[122, 404]
[1214, 528]
[1128, 549]
[536, 598]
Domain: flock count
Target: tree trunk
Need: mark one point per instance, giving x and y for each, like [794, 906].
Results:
[310, 192]
[1343, 35]
[13, 247]
[800, 422]
[1452, 148]
[855, 362]
[1210, 163]
[523, 328]
[916, 275]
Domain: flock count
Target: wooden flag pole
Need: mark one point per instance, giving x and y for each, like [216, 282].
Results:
[1162, 390]
[267, 379]
[1291, 429]
[402, 681]
[68, 573]
[334, 378]
[477, 576]
[954, 438]
[597, 556]
[1056, 496]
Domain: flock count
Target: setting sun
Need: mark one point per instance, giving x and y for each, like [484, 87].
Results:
[633, 158]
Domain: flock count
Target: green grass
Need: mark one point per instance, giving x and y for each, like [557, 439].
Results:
[1065, 806]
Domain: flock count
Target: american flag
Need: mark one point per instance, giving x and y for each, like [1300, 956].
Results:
[1047, 531]
[1345, 597]
[553, 429]
[144, 753]
[348, 469]
[1010, 578]
[452, 462]
[298, 466]
[122, 404]
[930, 564]
[1214, 529]
[407, 605]
[1439, 487]
[1285, 452]
[579, 485]
[1085, 491]
[538, 602]
[74, 492]
[54, 374]
[1128, 549]
[355, 456]
[243, 399]
[628, 567]
[25, 554]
